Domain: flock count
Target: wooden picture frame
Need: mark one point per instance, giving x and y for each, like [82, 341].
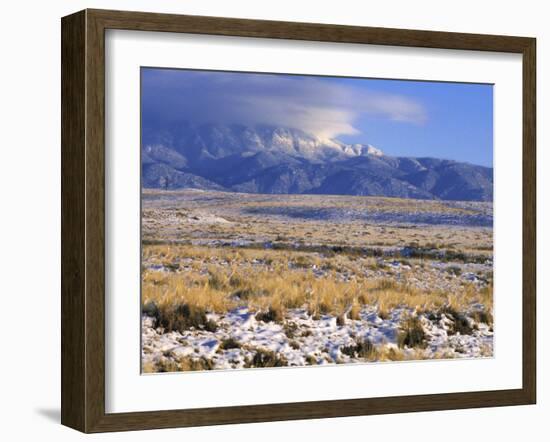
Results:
[83, 220]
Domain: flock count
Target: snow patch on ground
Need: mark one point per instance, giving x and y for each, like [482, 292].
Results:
[303, 340]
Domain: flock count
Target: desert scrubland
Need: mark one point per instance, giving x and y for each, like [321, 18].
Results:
[235, 280]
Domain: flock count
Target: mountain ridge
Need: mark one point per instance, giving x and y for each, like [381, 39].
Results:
[272, 160]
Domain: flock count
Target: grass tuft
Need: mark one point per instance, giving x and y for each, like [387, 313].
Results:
[180, 317]
[229, 343]
[412, 333]
[273, 314]
[266, 358]
[460, 322]
[454, 270]
[483, 317]
[167, 365]
[363, 349]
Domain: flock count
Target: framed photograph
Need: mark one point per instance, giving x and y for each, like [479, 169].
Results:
[267, 220]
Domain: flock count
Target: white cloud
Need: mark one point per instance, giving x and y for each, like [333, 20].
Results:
[316, 105]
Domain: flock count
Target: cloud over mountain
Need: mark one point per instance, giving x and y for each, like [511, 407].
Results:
[323, 108]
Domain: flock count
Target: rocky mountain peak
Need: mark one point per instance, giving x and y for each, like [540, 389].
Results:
[264, 159]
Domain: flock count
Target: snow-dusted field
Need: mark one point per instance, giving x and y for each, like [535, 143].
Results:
[236, 281]
[311, 342]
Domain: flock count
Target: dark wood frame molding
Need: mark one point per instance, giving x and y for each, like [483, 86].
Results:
[83, 216]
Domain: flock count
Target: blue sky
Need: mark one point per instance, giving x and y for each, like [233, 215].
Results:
[401, 117]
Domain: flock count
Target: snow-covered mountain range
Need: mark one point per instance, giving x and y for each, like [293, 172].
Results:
[265, 159]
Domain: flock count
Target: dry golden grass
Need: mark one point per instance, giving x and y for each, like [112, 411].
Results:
[167, 365]
[324, 264]
[272, 286]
